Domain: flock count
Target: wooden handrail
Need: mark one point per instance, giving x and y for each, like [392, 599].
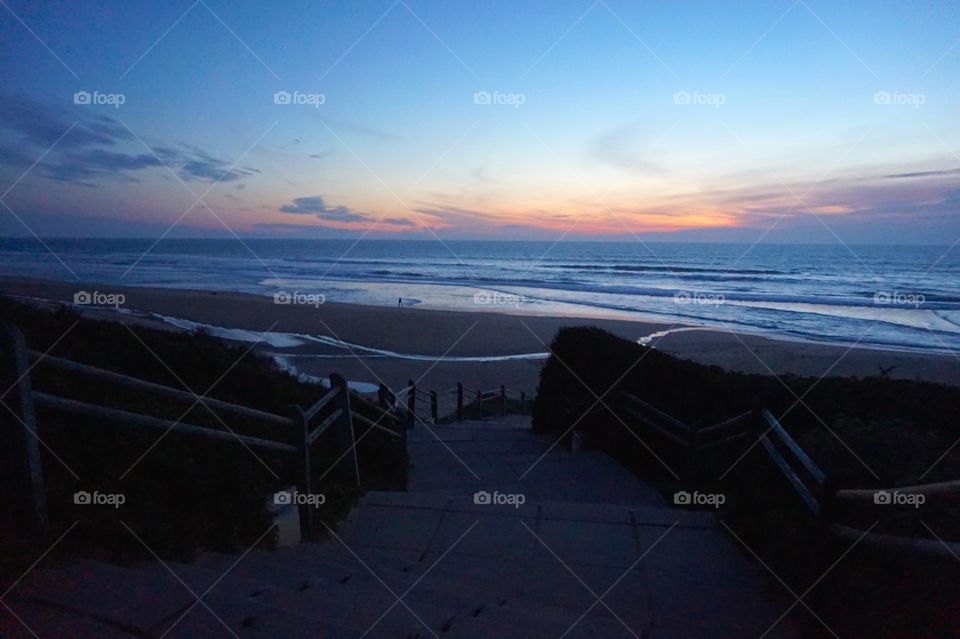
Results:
[948, 551]
[818, 475]
[727, 423]
[653, 410]
[136, 419]
[810, 492]
[373, 424]
[312, 412]
[294, 439]
[945, 488]
[722, 441]
[680, 441]
[324, 425]
[158, 389]
[780, 461]
[363, 401]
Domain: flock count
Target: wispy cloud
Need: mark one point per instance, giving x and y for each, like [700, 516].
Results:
[923, 174]
[619, 148]
[315, 205]
[91, 151]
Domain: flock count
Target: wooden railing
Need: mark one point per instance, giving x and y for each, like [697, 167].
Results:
[295, 434]
[425, 405]
[808, 481]
[496, 398]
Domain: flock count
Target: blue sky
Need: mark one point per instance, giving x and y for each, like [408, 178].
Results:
[770, 121]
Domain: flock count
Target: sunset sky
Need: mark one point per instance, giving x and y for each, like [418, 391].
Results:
[789, 121]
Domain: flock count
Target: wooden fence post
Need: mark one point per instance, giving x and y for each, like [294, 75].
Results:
[480, 406]
[459, 402]
[344, 435]
[304, 477]
[411, 403]
[18, 435]
[434, 409]
[385, 397]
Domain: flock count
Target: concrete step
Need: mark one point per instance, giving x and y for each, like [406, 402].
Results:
[127, 599]
[593, 624]
[523, 608]
[304, 585]
[374, 608]
[333, 552]
[345, 579]
[490, 424]
[426, 522]
[557, 475]
[227, 617]
[24, 619]
[262, 566]
[489, 591]
[249, 605]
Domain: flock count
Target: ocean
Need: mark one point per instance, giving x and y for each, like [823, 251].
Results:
[903, 297]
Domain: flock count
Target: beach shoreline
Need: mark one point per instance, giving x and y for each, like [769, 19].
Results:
[387, 344]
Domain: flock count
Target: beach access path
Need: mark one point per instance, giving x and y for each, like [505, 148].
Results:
[501, 533]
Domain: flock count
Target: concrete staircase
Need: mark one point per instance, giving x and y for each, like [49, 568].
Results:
[576, 547]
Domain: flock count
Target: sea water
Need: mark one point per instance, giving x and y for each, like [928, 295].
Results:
[888, 296]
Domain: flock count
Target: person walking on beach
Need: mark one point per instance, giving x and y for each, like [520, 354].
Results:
[399, 302]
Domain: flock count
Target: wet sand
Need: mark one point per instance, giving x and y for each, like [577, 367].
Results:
[444, 334]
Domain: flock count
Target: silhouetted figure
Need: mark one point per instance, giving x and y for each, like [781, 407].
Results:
[399, 302]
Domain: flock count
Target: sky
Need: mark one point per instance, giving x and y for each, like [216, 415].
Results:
[780, 121]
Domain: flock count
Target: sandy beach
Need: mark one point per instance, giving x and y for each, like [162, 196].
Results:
[426, 343]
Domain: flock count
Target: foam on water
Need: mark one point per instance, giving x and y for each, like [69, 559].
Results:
[293, 340]
[807, 292]
[277, 340]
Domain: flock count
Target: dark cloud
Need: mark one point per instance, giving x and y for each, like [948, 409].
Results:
[397, 221]
[314, 205]
[922, 174]
[84, 155]
[41, 125]
[194, 163]
[84, 166]
[213, 170]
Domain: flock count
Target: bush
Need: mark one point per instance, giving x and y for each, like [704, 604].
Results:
[897, 429]
[182, 492]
